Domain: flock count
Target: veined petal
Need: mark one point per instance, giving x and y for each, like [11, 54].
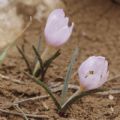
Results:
[105, 72]
[93, 63]
[61, 36]
[55, 19]
[57, 30]
[93, 73]
[54, 26]
[56, 14]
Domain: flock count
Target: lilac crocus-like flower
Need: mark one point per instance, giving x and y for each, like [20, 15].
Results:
[93, 72]
[57, 30]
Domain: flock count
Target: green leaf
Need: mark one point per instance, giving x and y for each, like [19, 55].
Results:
[39, 59]
[3, 54]
[68, 75]
[77, 96]
[48, 62]
[38, 49]
[44, 66]
[46, 88]
[25, 59]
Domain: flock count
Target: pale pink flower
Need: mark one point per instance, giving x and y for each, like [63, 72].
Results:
[57, 30]
[93, 72]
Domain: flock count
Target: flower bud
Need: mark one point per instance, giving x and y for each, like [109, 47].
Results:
[93, 72]
[57, 30]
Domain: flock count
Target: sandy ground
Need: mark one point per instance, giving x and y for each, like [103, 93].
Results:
[97, 32]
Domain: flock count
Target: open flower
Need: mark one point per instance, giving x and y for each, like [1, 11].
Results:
[57, 30]
[93, 72]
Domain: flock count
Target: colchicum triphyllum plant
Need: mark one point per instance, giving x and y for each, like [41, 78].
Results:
[57, 32]
[93, 72]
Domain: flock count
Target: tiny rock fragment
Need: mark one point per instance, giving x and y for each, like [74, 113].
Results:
[111, 97]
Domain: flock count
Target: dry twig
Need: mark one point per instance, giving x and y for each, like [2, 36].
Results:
[115, 77]
[54, 90]
[115, 91]
[21, 111]
[28, 115]
[31, 99]
[74, 87]
[45, 105]
[13, 80]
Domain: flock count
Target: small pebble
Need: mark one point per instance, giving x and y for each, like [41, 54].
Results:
[112, 109]
[111, 97]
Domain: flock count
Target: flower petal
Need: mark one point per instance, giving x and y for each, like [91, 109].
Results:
[61, 36]
[57, 30]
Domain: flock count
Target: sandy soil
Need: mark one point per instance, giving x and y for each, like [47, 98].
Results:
[97, 32]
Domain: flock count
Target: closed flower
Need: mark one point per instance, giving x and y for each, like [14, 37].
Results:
[93, 72]
[57, 30]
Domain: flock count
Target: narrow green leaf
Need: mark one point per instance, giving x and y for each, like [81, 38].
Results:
[49, 61]
[46, 65]
[40, 62]
[25, 59]
[68, 75]
[46, 88]
[38, 48]
[77, 96]
[3, 54]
